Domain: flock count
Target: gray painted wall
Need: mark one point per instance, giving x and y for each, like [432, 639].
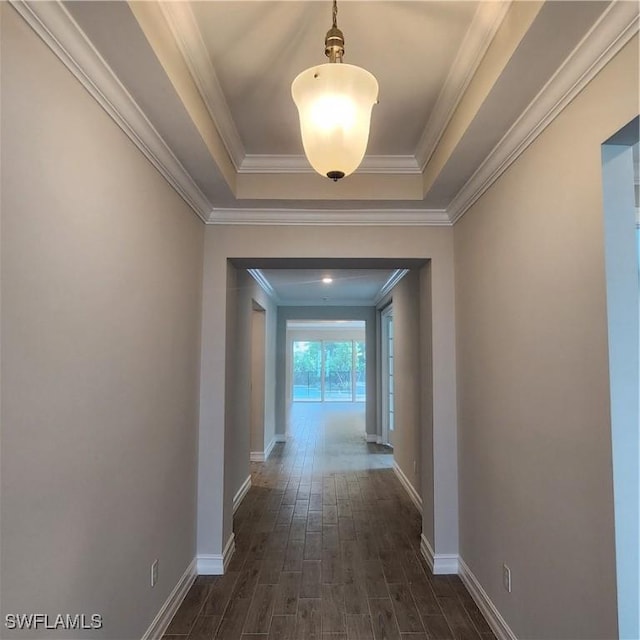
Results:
[235, 462]
[426, 467]
[246, 291]
[406, 357]
[534, 424]
[412, 312]
[101, 295]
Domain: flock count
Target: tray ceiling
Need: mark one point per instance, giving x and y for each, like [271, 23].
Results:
[464, 87]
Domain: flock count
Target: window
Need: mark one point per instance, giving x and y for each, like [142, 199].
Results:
[329, 371]
[307, 370]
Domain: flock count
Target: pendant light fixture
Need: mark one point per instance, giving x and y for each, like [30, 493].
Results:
[334, 103]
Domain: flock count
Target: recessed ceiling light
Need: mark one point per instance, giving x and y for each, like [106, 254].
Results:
[327, 280]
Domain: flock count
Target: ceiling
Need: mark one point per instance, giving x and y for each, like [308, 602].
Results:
[305, 287]
[354, 281]
[260, 47]
[203, 88]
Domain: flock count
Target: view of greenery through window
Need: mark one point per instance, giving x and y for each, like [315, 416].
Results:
[329, 371]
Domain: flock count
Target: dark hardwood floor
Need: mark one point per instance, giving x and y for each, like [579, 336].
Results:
[327, 548]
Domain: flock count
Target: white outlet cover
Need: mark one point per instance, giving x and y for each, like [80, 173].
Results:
[506, 577]
[154, 573]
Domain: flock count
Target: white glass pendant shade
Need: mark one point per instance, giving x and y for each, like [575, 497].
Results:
[334, 104]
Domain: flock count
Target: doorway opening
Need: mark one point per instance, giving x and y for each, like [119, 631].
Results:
[257, 382]
[620, 187]
[327, 361]
[386, 375]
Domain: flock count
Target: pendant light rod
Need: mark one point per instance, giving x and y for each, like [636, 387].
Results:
[334, 42]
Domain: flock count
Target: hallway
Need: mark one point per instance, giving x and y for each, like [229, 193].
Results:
[327, 547]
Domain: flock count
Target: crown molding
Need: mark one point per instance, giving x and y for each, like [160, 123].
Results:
[386, 288]
[483, 28]
[272, 163]
[267, 163]
[186, 33]
[616, 26]
[60, 32]
[264, 284]
[344, 217]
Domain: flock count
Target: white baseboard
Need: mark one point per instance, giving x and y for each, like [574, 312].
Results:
[426, 551]
[171, 604]
[409, 488]
[445, 564]
[229, 550]
[242, 492]
[486, 606]
[372, 437]
[280, 437]
[269, 448]
[261, 456]
[211, 564]
[439, 563]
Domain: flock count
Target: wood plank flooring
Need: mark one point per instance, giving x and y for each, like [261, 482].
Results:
[327, 548]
